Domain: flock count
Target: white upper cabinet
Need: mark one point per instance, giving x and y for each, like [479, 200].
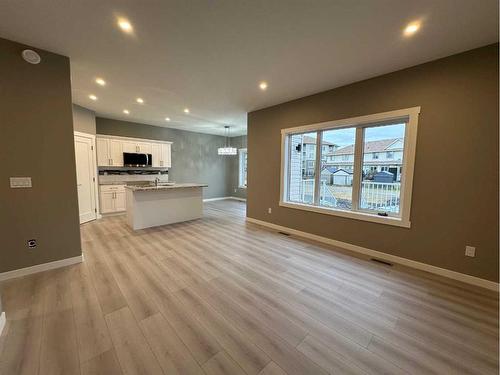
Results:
[103, 152]
[110, 151]
[144, 148]
[116, 152]
[166, 155]
[161, 154]
[137, 147]
[156, 154]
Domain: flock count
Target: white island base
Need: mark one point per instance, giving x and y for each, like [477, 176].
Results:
[153, 206]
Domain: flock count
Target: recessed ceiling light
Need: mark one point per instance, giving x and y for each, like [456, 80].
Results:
[93, 97]
[263, 85]
[100, 81]
[186, 110]
[167, 118]
[411, 28]
[139, 100]
[126, 111]
[125, 25]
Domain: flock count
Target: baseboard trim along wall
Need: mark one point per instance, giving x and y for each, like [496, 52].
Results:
[383, 256]
[223, 198]
[3, 320]
[40, 268]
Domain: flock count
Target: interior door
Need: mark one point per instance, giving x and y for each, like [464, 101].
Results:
[85, 175]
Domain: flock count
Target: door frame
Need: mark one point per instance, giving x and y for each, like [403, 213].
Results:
[92, 138]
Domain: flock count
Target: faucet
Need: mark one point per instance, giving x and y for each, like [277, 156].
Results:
[157, 180]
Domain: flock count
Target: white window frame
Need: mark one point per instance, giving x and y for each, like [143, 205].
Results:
[241, 152]
[410, 117]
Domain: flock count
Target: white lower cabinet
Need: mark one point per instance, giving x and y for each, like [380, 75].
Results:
[112, 198]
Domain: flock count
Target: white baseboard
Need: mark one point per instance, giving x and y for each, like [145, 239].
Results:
[40, 268]
[223, 198]
[384, 256]
[215, 199]
[238, 199]
[3, 320]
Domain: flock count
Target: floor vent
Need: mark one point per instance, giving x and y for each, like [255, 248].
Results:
[381, 262]
[284, 233]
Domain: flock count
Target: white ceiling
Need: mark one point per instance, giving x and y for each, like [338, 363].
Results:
[210, 55]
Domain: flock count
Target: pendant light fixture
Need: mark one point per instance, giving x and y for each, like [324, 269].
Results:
[227, 150]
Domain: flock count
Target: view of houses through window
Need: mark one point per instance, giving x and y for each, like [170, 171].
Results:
[380, 180]
[382, 166]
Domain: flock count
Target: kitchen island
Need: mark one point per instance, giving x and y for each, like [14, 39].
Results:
[154, 205]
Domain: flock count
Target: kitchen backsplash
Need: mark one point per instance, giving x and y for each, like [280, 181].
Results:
[113, 177]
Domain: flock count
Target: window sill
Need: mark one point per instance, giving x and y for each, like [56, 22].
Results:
[242, 187]
[395, 221]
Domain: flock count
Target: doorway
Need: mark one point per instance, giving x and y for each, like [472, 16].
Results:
[86, 176]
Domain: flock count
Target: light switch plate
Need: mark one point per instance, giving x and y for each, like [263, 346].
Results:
[20, 182]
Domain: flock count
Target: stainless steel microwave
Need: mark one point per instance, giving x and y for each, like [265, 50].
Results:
[137, 160]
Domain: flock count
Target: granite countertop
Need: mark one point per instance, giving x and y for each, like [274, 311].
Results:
[163, 187]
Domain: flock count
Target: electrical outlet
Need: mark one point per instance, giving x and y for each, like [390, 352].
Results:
[470, 251]
[235, 190]
[31, 244]
[269, 210]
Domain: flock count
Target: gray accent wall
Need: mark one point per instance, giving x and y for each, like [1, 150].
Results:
[233, 169]
[194, 155]
[37, 141]
[455, 186]
[83, 120]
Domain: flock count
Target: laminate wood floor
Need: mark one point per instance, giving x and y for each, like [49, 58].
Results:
[219, 296]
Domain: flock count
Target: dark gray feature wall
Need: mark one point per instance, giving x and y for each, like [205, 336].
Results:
[83, 120]
[37, 141]
[455, 188]
[233, 169]
[194, 155]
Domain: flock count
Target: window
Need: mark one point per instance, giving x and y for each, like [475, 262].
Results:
[380, 192]
[301, 181]
[363, 185]
[242, 180]
[336, 181]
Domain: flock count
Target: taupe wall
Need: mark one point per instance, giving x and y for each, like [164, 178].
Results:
[194, 155]
[37, 140]
[455, 194]
[233, 169]
[83, 120]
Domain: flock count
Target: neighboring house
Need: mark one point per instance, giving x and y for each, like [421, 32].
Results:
[309, 154]
[334, 176]
[385, 155]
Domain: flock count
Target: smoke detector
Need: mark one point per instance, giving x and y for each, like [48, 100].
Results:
[31, 56]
